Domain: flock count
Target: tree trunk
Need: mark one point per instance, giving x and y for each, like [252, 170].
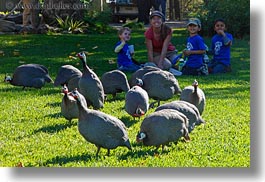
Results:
[62, 8]
[31, 13]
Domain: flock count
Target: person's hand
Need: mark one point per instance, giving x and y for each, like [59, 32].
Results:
[187, 52]
[160, 64]
[220, 32]
[123, 41]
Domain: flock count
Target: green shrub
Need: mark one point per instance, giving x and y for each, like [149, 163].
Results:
[98, 21]
[70, 25]
[235, 13]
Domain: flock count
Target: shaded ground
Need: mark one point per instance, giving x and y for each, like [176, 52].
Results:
[172, 24]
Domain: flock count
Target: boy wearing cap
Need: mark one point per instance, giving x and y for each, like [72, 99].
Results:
[158, 42]
[221, 43]
[195, 50]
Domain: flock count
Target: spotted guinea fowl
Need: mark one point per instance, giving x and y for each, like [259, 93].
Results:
[136, 101]
[100, 129]
[160, 85]
[68, 75]
[90, 85]
[194, 95]
[140, 73]
[114, 82]
[162, 127]
[69, 107]
[30, 75]
[188, 109]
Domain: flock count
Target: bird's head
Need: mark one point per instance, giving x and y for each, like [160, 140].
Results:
[139, 82]
[8, 79]
[195, 83]
[75, 94]
[81, 55]
[78, 97]
[138, 112]
[65, 89]
[140, 136]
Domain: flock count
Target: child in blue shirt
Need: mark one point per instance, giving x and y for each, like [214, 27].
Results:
[221, 43]
[125, 61]
[195, 50]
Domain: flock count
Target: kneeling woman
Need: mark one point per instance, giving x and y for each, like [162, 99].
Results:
[158, 36]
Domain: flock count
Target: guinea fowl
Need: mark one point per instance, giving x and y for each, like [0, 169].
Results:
[114, 82]
[136, 101]
[90, 85]
[160, 85]
[100, 129]
[140, 73]
[186, 108]
[69, 107]
[68, 75]
[162, 127]
[30, 75]
[194, 95]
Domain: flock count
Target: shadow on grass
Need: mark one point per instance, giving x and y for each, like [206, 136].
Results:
[42, 91]
[143, 152]
[50, 129]
[54, 104]
[118, 97]
[129, 121]
[61, 160]
[55, 128]
[229, 92]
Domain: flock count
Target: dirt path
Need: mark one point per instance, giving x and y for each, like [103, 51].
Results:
[172, 24]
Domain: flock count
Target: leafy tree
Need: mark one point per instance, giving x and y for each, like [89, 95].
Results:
[236, 14]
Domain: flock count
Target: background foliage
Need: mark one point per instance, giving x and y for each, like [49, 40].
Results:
[235, 13]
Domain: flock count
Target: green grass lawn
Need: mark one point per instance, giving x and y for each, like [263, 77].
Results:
[34, 132]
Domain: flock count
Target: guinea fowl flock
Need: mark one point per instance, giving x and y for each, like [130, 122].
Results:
[84, 95]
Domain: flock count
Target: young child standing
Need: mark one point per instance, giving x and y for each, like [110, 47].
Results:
[221, 43]
[195, 50]
[125, 60]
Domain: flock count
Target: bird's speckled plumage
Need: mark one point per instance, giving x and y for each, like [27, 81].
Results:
[163, 127]
[188, 109]
[69, 107]
[90, 85]
[101, 129]
[68, 75]
[136, 101]
[140, 73]
[114, 82]
[194, 95]
[30, 75]
[160, 85]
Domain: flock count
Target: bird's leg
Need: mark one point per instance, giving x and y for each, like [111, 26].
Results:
[158, 103]
[152, 105]
[108, 152]
[98, 150]
[163, 148]
[105, 98]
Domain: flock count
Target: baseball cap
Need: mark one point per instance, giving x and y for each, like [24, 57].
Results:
[194, 21]
[156, 13]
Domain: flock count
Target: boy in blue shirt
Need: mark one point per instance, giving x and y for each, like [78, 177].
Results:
[195, 50]
[125, 60]
[221, 43]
